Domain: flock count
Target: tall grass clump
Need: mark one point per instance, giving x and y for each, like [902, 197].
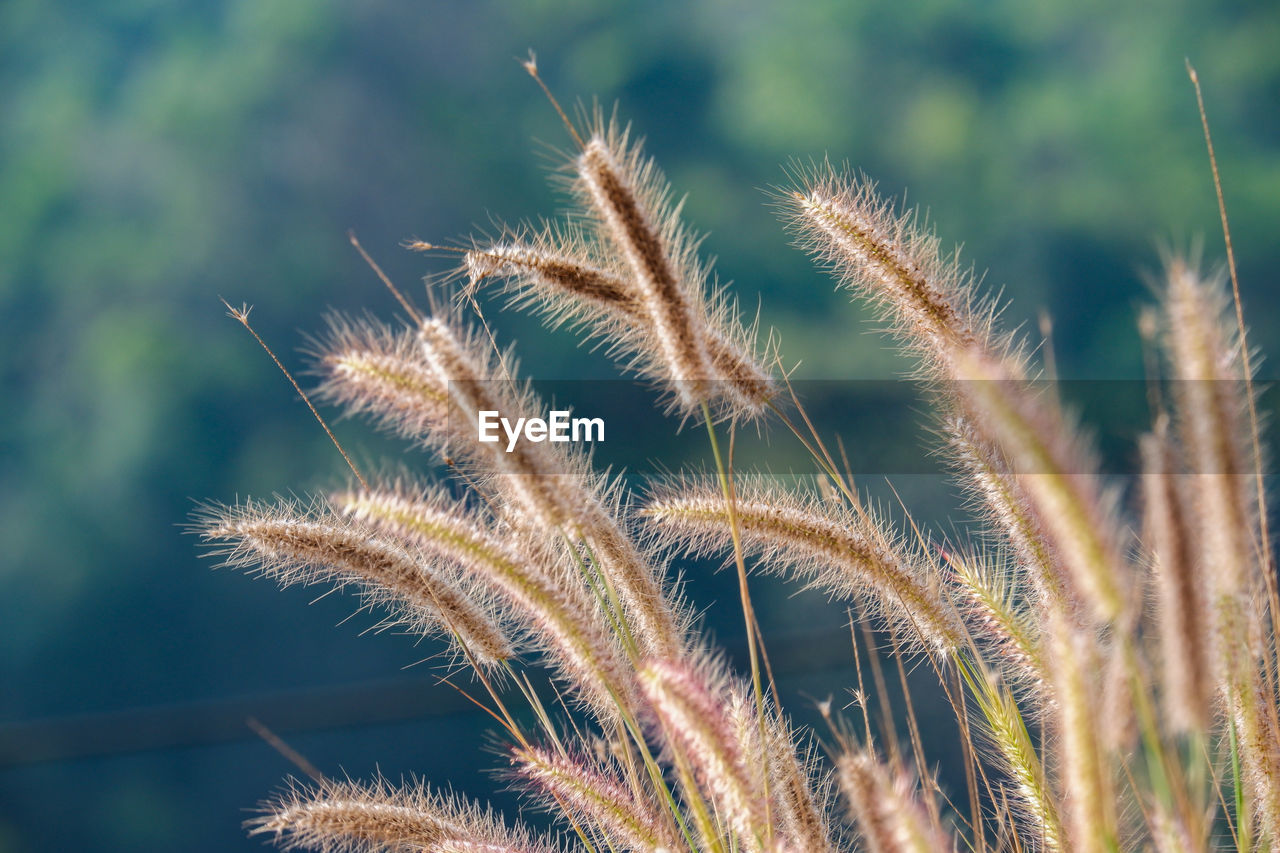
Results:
[1110, 658]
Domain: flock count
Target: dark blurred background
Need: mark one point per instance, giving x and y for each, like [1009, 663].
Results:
[155, 155]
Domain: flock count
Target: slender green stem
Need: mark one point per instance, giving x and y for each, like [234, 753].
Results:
[748, 612]
[1244, 824]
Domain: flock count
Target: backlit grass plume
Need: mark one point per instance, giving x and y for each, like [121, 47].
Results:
[563, 273]
[627, 268]
[843, 550]
[348, 817]
[1110, 666]
[291, 544]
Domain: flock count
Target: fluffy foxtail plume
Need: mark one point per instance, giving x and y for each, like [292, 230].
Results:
[882, 256]
[886, 808]
[611, 194]
[1033, 802]
[1211, 407]
[1057, 474]
[1170, 835]
[656, 624]
[594, 796]
[989, 600]
[1001, 500]
[799, 802]
[1185, 638]
[557, 272]
[371, 368]
[528, 472]
[346, 817]
[429, 385]
[691, 706]
[680, 336]
[827, 546]
[541, 588]
[291, 544]
[547, 490]
[1088, 789]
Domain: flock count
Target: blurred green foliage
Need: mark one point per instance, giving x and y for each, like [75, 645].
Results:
[156, 155]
